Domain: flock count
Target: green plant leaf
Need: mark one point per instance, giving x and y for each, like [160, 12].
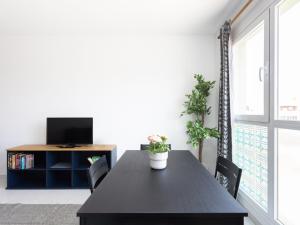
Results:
[196, 105]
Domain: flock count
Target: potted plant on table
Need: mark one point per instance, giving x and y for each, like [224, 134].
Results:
[158, 151]
[196, 106]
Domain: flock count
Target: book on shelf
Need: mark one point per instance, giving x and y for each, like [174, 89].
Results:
[20, 161]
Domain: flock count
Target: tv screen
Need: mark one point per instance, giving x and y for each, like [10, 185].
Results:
[69, 131]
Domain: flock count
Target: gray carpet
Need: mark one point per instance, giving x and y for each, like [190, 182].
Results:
[19, 214]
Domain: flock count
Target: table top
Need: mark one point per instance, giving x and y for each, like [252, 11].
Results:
[24, 148]
[184, 187]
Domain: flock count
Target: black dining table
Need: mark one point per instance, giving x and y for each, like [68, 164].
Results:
[184, 193]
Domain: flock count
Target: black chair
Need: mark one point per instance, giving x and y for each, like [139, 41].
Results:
[146, 146]
[97, 172]
[233, 174]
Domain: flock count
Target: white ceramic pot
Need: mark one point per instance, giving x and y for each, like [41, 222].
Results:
[158, 161]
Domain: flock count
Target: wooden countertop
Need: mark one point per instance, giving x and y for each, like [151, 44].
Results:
[23, 148]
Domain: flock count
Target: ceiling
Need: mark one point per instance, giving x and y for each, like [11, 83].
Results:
[113, 16]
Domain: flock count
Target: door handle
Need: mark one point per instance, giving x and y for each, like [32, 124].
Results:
[261, 69]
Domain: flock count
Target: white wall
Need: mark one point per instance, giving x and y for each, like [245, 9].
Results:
[132, 86]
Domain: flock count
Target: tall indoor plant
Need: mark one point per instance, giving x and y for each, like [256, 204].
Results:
[196, 106]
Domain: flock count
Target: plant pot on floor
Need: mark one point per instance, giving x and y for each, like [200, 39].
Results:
[158, 161]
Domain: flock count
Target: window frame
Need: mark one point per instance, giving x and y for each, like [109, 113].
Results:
[275, 122]
[239, 34]
[274, 31]
[262, 8]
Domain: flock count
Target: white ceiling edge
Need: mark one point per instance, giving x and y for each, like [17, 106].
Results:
[114, 17]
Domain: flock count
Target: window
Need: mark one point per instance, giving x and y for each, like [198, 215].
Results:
[288, 176]
[288, 107]
[266, 126]
[287, 111]
[250, 146]
[250, 69]
[248, 65]
[251, 109]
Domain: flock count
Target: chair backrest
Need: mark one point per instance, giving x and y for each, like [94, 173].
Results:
[146, 146]
[97, 172]
[232, 173]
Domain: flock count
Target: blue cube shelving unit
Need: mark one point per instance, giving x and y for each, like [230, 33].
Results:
[56, 168]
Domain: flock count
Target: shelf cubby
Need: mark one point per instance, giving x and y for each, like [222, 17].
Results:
[80, 159]
[26, 179]
[39, 160]
[80, 179]
[59, 179]
[59, 160]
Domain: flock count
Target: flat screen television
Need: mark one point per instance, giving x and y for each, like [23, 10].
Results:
[69, 131]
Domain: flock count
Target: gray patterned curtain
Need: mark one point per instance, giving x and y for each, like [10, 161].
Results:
[224, 120]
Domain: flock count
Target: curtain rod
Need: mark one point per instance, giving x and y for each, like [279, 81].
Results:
[241, 11]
